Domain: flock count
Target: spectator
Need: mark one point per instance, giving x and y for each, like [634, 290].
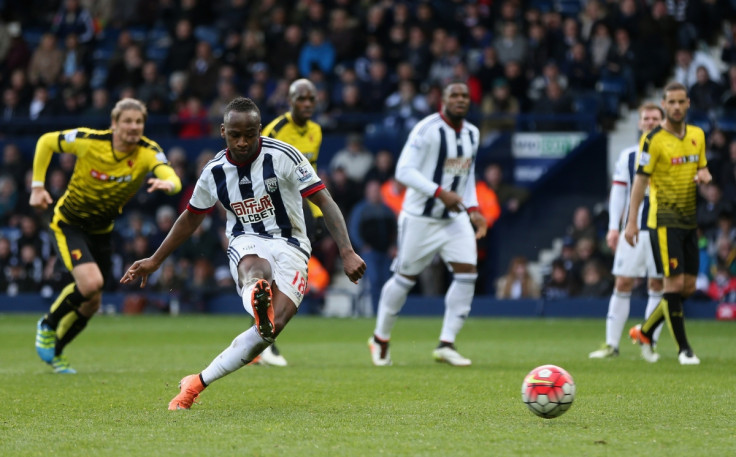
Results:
[373, 229]
[510, 45]
[517, 283]
[560, 284]
[555, 102]
[74, 18]
[354, 159]
[127, 72]
[688, 62]
[499, 109]
[202, 73]
[582, 224]
[405, 107]
[705, 94]
[318, 52]
[550, 73]
[8, 198]
[383, 167]
[192, 119]
[182, 49]
[46, 62]
[722, 288]
[596, 281]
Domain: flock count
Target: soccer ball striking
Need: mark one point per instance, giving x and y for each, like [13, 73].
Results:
[548, 391]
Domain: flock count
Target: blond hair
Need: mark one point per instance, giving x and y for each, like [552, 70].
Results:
[128, 104]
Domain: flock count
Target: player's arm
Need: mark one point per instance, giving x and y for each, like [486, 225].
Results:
[183, 228]
[165, 180]
[470, 201]
[353, 265]
[641, 181]
[703, 174]
[45, 148]
[616, 205]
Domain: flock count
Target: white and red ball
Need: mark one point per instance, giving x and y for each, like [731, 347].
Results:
[548, 391]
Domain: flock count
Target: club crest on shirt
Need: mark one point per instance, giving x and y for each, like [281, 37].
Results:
[272, 184]
[303, 172]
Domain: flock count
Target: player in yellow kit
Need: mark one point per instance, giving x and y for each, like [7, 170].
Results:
[110, 168]
[297, 128]
[672, 162]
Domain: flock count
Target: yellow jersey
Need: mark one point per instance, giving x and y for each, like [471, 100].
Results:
[672, 163]
[306, 139]
[103, 179]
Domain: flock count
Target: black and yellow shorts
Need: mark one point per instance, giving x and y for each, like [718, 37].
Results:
[76, 246]
[675, 250]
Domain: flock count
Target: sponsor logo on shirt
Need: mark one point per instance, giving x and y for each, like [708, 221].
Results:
[251, 210]
[684, 159]
[459, 166]
[101, 176]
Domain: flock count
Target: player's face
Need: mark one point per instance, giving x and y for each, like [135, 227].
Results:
[242, 132]
[675, 105]
[456, 101]
[128, 128]
[649, 119]
[302, 103]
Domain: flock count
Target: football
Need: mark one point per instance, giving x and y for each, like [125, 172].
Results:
[548, 391]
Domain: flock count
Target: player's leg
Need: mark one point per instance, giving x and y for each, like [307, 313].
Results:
[460, 252]
[654, 290]
[619, 307]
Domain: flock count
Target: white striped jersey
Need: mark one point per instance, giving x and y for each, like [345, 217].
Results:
[436, 155]
[263, 197]
[623, 175]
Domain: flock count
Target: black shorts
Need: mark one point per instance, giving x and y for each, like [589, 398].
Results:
[675, 250]
[75, 246]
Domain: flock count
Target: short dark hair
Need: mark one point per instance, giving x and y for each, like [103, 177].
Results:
[242, 105]
[671, 87]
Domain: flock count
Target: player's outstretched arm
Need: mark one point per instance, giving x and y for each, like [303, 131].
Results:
[353, 265]
[183, 228]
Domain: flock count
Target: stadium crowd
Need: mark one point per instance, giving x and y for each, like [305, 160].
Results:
[64, 63]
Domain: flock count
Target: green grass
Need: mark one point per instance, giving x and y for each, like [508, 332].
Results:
[330, 401]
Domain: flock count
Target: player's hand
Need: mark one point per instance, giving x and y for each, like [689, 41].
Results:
[40, 198]
[353, 266]
[140, 269]
[612, 239]
[451, 200]
[703, 176]
[480, 224]
[155, 184]
[631, 233]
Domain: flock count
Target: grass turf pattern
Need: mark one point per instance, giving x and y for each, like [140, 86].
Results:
[330, 400]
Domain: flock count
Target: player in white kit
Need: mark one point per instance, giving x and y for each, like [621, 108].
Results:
[260, 182]
[629, 261]
[439, 216]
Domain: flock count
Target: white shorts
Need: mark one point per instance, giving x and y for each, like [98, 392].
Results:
[635, 261]
[420, 238]
[288, 264]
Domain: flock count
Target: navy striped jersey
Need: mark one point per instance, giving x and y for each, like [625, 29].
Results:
[262, 197]
[436, 155]
[623, 175]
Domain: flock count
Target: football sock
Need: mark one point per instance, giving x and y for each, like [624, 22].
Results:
[654, 298]
[675, 319]
[393, 297]
[244, 348]
[458, 298]
[619, 307]
[246, 296]
[68, 300]
[70, 326]
[654, 319]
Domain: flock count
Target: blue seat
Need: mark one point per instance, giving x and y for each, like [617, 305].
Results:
[568, 7]
[209, 34]
[612, 85]
[726, 124]
[701, 120]
[588, 103]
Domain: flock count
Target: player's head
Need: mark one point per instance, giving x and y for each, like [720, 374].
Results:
[675, 102]
[241, 128]
[455, 101]
[650, 116]
[128, 119]
[302, 98]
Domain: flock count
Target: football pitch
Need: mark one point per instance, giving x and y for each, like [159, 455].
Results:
[330, 400]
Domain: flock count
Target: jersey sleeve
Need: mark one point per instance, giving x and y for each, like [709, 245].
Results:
[302, 173]
[470, 196]
[621, 169]
[648, 155]
[47, 145]
[409, 164]
[204, 196]
[702, 160]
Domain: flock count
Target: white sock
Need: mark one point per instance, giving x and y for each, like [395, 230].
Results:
[654, 298]
[244, 348]
[393, 297]
[458, 299]
[618, 311]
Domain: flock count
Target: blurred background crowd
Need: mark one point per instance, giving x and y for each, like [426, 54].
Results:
[379, 66]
